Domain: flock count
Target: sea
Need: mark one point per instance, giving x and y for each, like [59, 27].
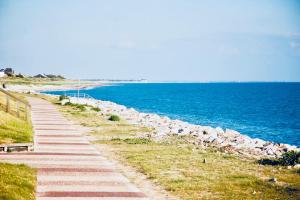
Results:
[270, 111]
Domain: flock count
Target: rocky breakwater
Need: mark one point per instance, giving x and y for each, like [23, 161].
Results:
[206, 136]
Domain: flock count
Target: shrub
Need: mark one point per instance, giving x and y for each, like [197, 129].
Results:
[62, 97]
[267, 161]
[96, 109]
[288, 158]
[81, 107]
[68, 104]
[114, 118]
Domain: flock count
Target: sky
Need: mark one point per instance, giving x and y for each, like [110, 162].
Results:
[158, 40]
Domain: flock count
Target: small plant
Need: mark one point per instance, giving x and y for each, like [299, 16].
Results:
[114, 118]
[81, 107]
[96, 109]
[62, 97]
[288, 158]
[68, 104]
[267, 161]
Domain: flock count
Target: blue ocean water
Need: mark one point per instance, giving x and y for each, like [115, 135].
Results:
[270, 111]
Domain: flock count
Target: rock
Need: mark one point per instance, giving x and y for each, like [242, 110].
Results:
[220, 131]
[258, 143]
[231, 133]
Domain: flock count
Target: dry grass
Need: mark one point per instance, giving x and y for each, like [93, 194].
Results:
[180, 169]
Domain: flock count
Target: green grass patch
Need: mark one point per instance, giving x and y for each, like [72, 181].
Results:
[96, 109]
[17, 182]
[81, 107]
[14, 130]
[115, 118]
[137, 141]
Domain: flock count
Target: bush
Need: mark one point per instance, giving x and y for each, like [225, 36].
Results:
[114, 118]
[81, 107]
[68, 104]
[96, 109]
[267, 161]
[62, 97]
[288, 158]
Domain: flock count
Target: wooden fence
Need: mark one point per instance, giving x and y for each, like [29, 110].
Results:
[14, 105]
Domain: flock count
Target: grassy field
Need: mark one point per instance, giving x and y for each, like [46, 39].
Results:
[17, 182]
[14, 130]
[186, 170]
[180, 169]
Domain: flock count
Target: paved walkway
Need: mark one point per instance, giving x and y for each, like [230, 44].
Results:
[69, 167]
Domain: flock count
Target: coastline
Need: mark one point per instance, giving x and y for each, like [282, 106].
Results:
[205, 136]
[162, 126]
[36, 88]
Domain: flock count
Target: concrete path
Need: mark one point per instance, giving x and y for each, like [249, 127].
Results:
[68, 166]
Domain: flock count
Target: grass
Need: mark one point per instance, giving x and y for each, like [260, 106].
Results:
[179, 166]
[103, 127]
[14, 130]
[180, 169]
[17, 182]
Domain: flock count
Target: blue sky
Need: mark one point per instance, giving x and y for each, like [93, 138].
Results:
[171, 40]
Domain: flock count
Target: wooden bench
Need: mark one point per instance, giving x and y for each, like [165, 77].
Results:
[16, 147]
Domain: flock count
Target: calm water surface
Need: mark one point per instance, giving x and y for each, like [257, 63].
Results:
[270, 111]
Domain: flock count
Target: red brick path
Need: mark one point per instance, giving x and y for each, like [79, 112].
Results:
[69, 167]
